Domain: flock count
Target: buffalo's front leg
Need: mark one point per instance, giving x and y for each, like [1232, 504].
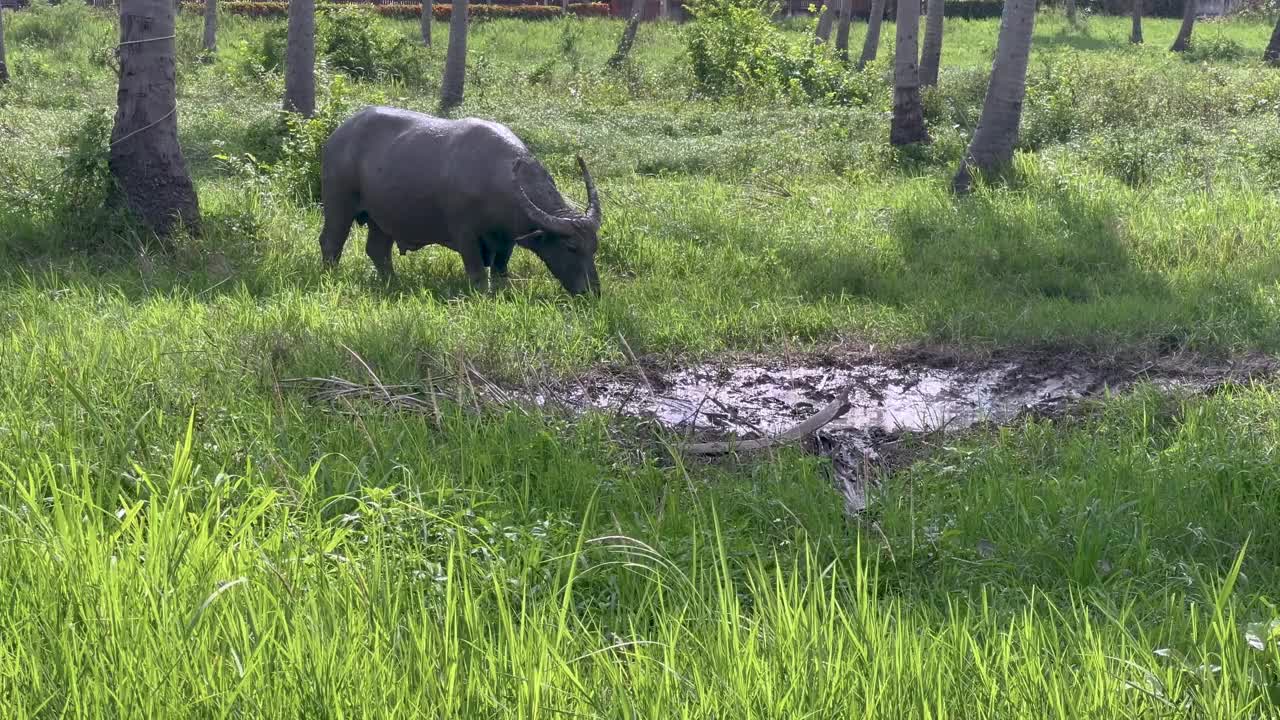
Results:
[473, 262]
[378, 248]
[501, 256]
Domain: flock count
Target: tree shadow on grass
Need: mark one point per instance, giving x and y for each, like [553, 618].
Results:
[1024, 246]
[1079, 40]
[234, 253]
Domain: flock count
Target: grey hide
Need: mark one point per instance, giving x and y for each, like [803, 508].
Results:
[469, 185]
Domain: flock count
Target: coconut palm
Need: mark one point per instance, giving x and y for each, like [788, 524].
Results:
[4, 69]
[210, 25]
[300, 59]
[424, 23]
[823, 31]
[871, 44]
[993, 141]
[842, 34]
[907, 125]
[455, 61]
[1135, 35]
[931, 56]
[145, 157]
[1183, 41]
[1271, 55]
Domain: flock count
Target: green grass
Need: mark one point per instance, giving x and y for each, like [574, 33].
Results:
[181, 537]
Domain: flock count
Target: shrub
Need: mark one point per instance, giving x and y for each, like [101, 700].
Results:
[297, 172]
[1213, 47]
[735, 49]
[48, 25]
[414, 10]
[349, 39]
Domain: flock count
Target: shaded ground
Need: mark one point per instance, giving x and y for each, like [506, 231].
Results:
[891, 396]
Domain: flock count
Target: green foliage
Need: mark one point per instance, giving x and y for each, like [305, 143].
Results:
[1213, 47]
[47, 25]
[353, 41]
[736, 50]
[295, 144]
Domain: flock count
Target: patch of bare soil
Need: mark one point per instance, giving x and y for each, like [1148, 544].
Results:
[890, 396]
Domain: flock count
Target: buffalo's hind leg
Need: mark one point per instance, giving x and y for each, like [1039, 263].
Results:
[378, 248]
[339, 212]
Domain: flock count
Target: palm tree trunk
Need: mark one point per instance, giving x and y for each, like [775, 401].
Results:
[842, 32]
[931, 57]
[907, 125]
[823, 33]
[300, 59]
[424, 23]
[4, 68]
[1071, 12]
[993, 141]
[210, 25]
[1183, 41]
[145, 157]
[564, 7]
[664, 10]
[1135, 35]
[455, 62]
[1271, 56]
[627, 40]
[871, 45]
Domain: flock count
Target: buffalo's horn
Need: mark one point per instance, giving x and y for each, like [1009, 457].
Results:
[593, 198]
[542, 218]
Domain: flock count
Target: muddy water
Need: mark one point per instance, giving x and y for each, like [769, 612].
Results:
[885, 400]
[751, 400]
[887, 397]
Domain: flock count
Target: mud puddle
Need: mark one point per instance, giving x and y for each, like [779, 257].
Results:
[887, 397]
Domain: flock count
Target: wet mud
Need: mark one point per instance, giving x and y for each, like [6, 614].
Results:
[890, 397]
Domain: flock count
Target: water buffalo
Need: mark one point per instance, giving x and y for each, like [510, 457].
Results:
[469, 185]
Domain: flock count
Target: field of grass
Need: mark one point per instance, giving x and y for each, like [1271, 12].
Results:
[181, 535]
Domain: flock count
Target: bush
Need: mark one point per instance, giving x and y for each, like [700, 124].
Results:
[349, 39]
[296, 172]
[48, 25]
[736, 50]
[414, 10]
[1213, 47]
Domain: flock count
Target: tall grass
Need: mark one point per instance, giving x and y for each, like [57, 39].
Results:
[183, 536]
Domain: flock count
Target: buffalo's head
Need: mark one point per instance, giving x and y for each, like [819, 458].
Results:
[566, 241]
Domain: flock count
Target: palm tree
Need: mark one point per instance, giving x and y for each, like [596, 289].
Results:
[842, 33]
[823, 32]
[145, 157]
[428, 14]
[210, 25]
[931, 56]
[300, 59]
[4, 69]
[1071, 12]
[455, 61]
[907, 125]
[871, 44]
[993, 141]
[1271, 56]
[1183, 41]
[1135, 35]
